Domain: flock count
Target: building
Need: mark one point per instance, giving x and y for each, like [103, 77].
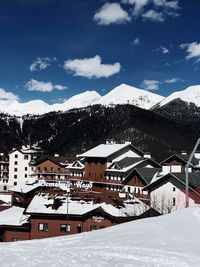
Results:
[19, 169]
[57, 213]
[4, 172]
[177, 162]
[49, 168]
[168, 191]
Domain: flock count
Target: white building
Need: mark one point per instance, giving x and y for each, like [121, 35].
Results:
[167, 192]
[19, 169]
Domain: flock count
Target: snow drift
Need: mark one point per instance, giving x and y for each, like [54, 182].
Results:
[168, 240]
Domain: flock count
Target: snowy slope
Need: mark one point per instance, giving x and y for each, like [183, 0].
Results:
[169, 240]
[81, 100]
[125, 94]
[189, 95]
[39, 107]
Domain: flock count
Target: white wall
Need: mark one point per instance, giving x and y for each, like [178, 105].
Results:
[19, 170]
[162, 196]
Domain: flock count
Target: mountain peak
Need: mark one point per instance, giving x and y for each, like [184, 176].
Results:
[189, 95]
[126, 94]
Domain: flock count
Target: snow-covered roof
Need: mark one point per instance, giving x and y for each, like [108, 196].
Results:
[104, 150]
[5, 197]
[42, 204]
[13, 216]
[25, 188]
[126, 169]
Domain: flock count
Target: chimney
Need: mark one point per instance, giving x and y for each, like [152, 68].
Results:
[147, 155]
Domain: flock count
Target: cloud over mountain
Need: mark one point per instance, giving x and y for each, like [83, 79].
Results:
[91, 67]
[34, 85]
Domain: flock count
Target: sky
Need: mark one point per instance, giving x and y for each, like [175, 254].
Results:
[54, 49]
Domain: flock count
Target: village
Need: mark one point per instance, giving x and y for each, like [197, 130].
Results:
[46, 195]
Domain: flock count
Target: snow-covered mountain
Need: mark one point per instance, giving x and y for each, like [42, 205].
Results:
[122, 94]
[189, 95]
[125, 94]
[168, 240]
[39, 107]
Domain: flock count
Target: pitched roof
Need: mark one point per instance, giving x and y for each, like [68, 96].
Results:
[183, 157]
[13, 216]
[42, 204]
[60, 161]
[106, 150]
[125, 162]
[194, 179]
[146, 174]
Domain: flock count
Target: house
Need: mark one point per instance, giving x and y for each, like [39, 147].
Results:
[168, 191]
[14, 225]
[49, 168]
[59, 213]
[137, 179]
[177, 162]
[99, 159]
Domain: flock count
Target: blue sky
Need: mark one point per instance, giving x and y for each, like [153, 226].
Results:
[53, 49]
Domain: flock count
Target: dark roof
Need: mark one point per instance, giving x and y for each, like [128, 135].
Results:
[183, 157]
[145, 173]
[194, 179]
[125, 162]
[57, 160]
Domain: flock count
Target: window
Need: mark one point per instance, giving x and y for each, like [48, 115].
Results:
[5, 188]
[93, 227]
[26, 168]
[15, 183]
[25, 175]
[15, 162]
[174, 201]
[16, 156]
[15, 239]
[43, 227]
[15, 169]
[15, 176]
[25, 156]
[65, 228]
[174, 188]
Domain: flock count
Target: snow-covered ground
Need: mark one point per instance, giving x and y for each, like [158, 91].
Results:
[169, 240]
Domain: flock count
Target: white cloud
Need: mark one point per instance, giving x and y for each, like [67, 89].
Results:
[136, 41]
[153, 15]
[91, 67]
[41, 63]
[163, 49]
[138, 5]
[111, 13]
[167, 4]
[7, 95]
[173, 80]
[34, 85]
[193, 50]
[150, 85]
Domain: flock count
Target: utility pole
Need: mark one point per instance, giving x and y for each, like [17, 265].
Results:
[187, 173]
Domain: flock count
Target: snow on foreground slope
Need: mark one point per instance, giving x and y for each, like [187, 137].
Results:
[169, 240]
